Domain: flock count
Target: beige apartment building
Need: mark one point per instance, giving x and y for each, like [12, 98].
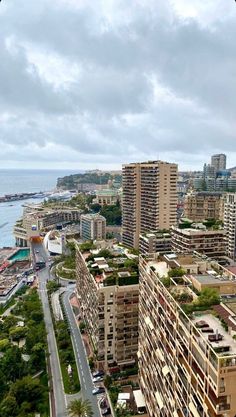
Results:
[155, 242]
[204, 205]
[149, 199]
[187, 362]
[37, 219]
[210, 242]
[109, 307]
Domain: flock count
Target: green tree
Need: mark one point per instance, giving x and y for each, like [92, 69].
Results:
[37, 357]
[82, 326]
[122, 411]
[9, 407]
[107, 381]
[12, 364]
[176, 272]
[131, 263]
[27, 389]
[17, 333]
[80, 408]
[52, 286]
[3, 385]
[104, 253]
[85, 247]
[208, 297]
[9, 322]
[91, 362]
[112, 214]
[4, 344]
[95, 208]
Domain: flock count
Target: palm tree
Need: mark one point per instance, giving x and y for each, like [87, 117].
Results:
[80, 408]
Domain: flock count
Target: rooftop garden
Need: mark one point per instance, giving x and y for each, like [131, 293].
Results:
[207, 298]
[87, 246]
[120, 270]
[210, 224]
[116, 280]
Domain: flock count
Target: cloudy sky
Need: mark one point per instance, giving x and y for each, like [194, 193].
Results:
[93, 84]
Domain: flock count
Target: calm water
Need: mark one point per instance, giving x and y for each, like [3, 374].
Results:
[17, 181]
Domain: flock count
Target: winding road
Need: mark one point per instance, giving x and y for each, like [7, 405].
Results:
[59, 399]
[81, 358]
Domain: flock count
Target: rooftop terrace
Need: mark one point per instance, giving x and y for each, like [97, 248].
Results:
[222, 342]
[214, 322]
[110, 267]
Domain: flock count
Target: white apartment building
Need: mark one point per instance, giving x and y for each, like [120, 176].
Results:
[230, 224]
[92, 227]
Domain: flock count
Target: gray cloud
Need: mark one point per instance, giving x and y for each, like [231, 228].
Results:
[101, 85]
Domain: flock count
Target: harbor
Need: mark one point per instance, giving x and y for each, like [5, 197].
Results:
[20, 196]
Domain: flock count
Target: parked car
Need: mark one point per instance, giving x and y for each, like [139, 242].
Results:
[97, 373]
[106, 412]
[103, 403]
[97, 378]
[98, 390]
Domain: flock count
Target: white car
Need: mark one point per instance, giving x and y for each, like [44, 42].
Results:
[98, 390]
[97, 378]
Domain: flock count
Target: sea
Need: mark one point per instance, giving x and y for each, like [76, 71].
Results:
[18, 181]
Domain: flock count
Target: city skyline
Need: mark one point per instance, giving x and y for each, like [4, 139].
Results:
[97, 85]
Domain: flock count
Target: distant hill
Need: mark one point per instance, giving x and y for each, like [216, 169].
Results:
[70, 182]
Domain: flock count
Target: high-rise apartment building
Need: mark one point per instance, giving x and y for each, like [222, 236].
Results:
[108, 295]
[203, 205]
[187, 360]
[149, 199]
[218, 161]
[92, 227]
[230, 224]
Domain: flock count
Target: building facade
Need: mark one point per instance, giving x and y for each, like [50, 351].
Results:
[218, 161]
[158, 242]
[107, 197]
[92, 227]
[211, 243]
[203, 205]
[230, 224]
[149, 199]
[110, 312]
[38, 219]
[184, 371]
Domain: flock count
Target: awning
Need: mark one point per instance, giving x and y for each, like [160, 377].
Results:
[160, 355]
[139, 399]
[149, 323]
[159, 400]
[124, 396]
[165, 370]
[193, 410]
